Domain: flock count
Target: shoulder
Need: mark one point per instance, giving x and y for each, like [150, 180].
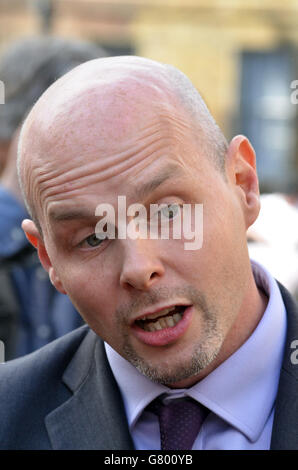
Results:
[290, 303]
[31, 386]
[50, 358]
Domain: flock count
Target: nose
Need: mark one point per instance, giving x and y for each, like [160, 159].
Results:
[141, 266]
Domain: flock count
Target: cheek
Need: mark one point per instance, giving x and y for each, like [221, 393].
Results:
[96, 306]
[226, 254]
[216, 266]
[90, 290]
[224, 228]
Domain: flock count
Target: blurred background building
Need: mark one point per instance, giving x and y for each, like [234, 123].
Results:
[242, 56]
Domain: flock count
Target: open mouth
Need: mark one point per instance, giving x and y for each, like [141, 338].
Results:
[167, 318]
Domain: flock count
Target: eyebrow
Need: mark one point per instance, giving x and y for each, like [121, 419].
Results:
[71, 214]
[138, 193]
[166, 173]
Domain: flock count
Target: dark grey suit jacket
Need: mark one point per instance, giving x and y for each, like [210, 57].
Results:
[64, 396]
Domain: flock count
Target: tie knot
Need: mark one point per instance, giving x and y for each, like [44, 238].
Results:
[180, 420]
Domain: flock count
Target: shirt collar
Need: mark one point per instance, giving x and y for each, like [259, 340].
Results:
[241, 390]
[137, 390]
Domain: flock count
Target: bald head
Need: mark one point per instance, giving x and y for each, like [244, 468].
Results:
[104, 102]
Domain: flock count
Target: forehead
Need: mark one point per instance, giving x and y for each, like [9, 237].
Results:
[133, 166]
[82, 209]
[103, 138]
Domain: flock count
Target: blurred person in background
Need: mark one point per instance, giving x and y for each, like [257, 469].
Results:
[32, 311]
[273, 238]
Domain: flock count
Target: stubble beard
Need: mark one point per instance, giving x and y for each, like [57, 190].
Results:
[197, 358]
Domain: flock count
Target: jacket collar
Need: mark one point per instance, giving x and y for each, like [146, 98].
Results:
[284, 431]
[96, 404]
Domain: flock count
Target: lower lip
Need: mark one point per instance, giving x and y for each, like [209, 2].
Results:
[166, 335]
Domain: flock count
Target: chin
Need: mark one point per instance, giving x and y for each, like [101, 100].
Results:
[176, 374]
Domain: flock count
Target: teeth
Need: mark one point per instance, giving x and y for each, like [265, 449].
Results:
[158, 314]
[167, 322]
[170, 321]
[151, 327]
[163, 322]
[177, 317]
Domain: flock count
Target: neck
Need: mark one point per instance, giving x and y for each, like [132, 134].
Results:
[252, 309]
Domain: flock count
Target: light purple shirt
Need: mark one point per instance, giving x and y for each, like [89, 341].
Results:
[240, 393]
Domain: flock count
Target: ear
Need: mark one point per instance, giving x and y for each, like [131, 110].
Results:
[34, 237]
[241, 170]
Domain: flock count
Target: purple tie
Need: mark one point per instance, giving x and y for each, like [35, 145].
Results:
[180, 421]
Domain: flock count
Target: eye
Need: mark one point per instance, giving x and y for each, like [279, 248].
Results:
[170, 211]
[92, 241]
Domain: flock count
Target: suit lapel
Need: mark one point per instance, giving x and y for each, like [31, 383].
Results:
[94, 417]
[285, 425]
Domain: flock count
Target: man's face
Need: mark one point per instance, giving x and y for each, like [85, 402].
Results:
[120, 286]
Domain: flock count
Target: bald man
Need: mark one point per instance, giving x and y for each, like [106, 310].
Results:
[169, 326]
